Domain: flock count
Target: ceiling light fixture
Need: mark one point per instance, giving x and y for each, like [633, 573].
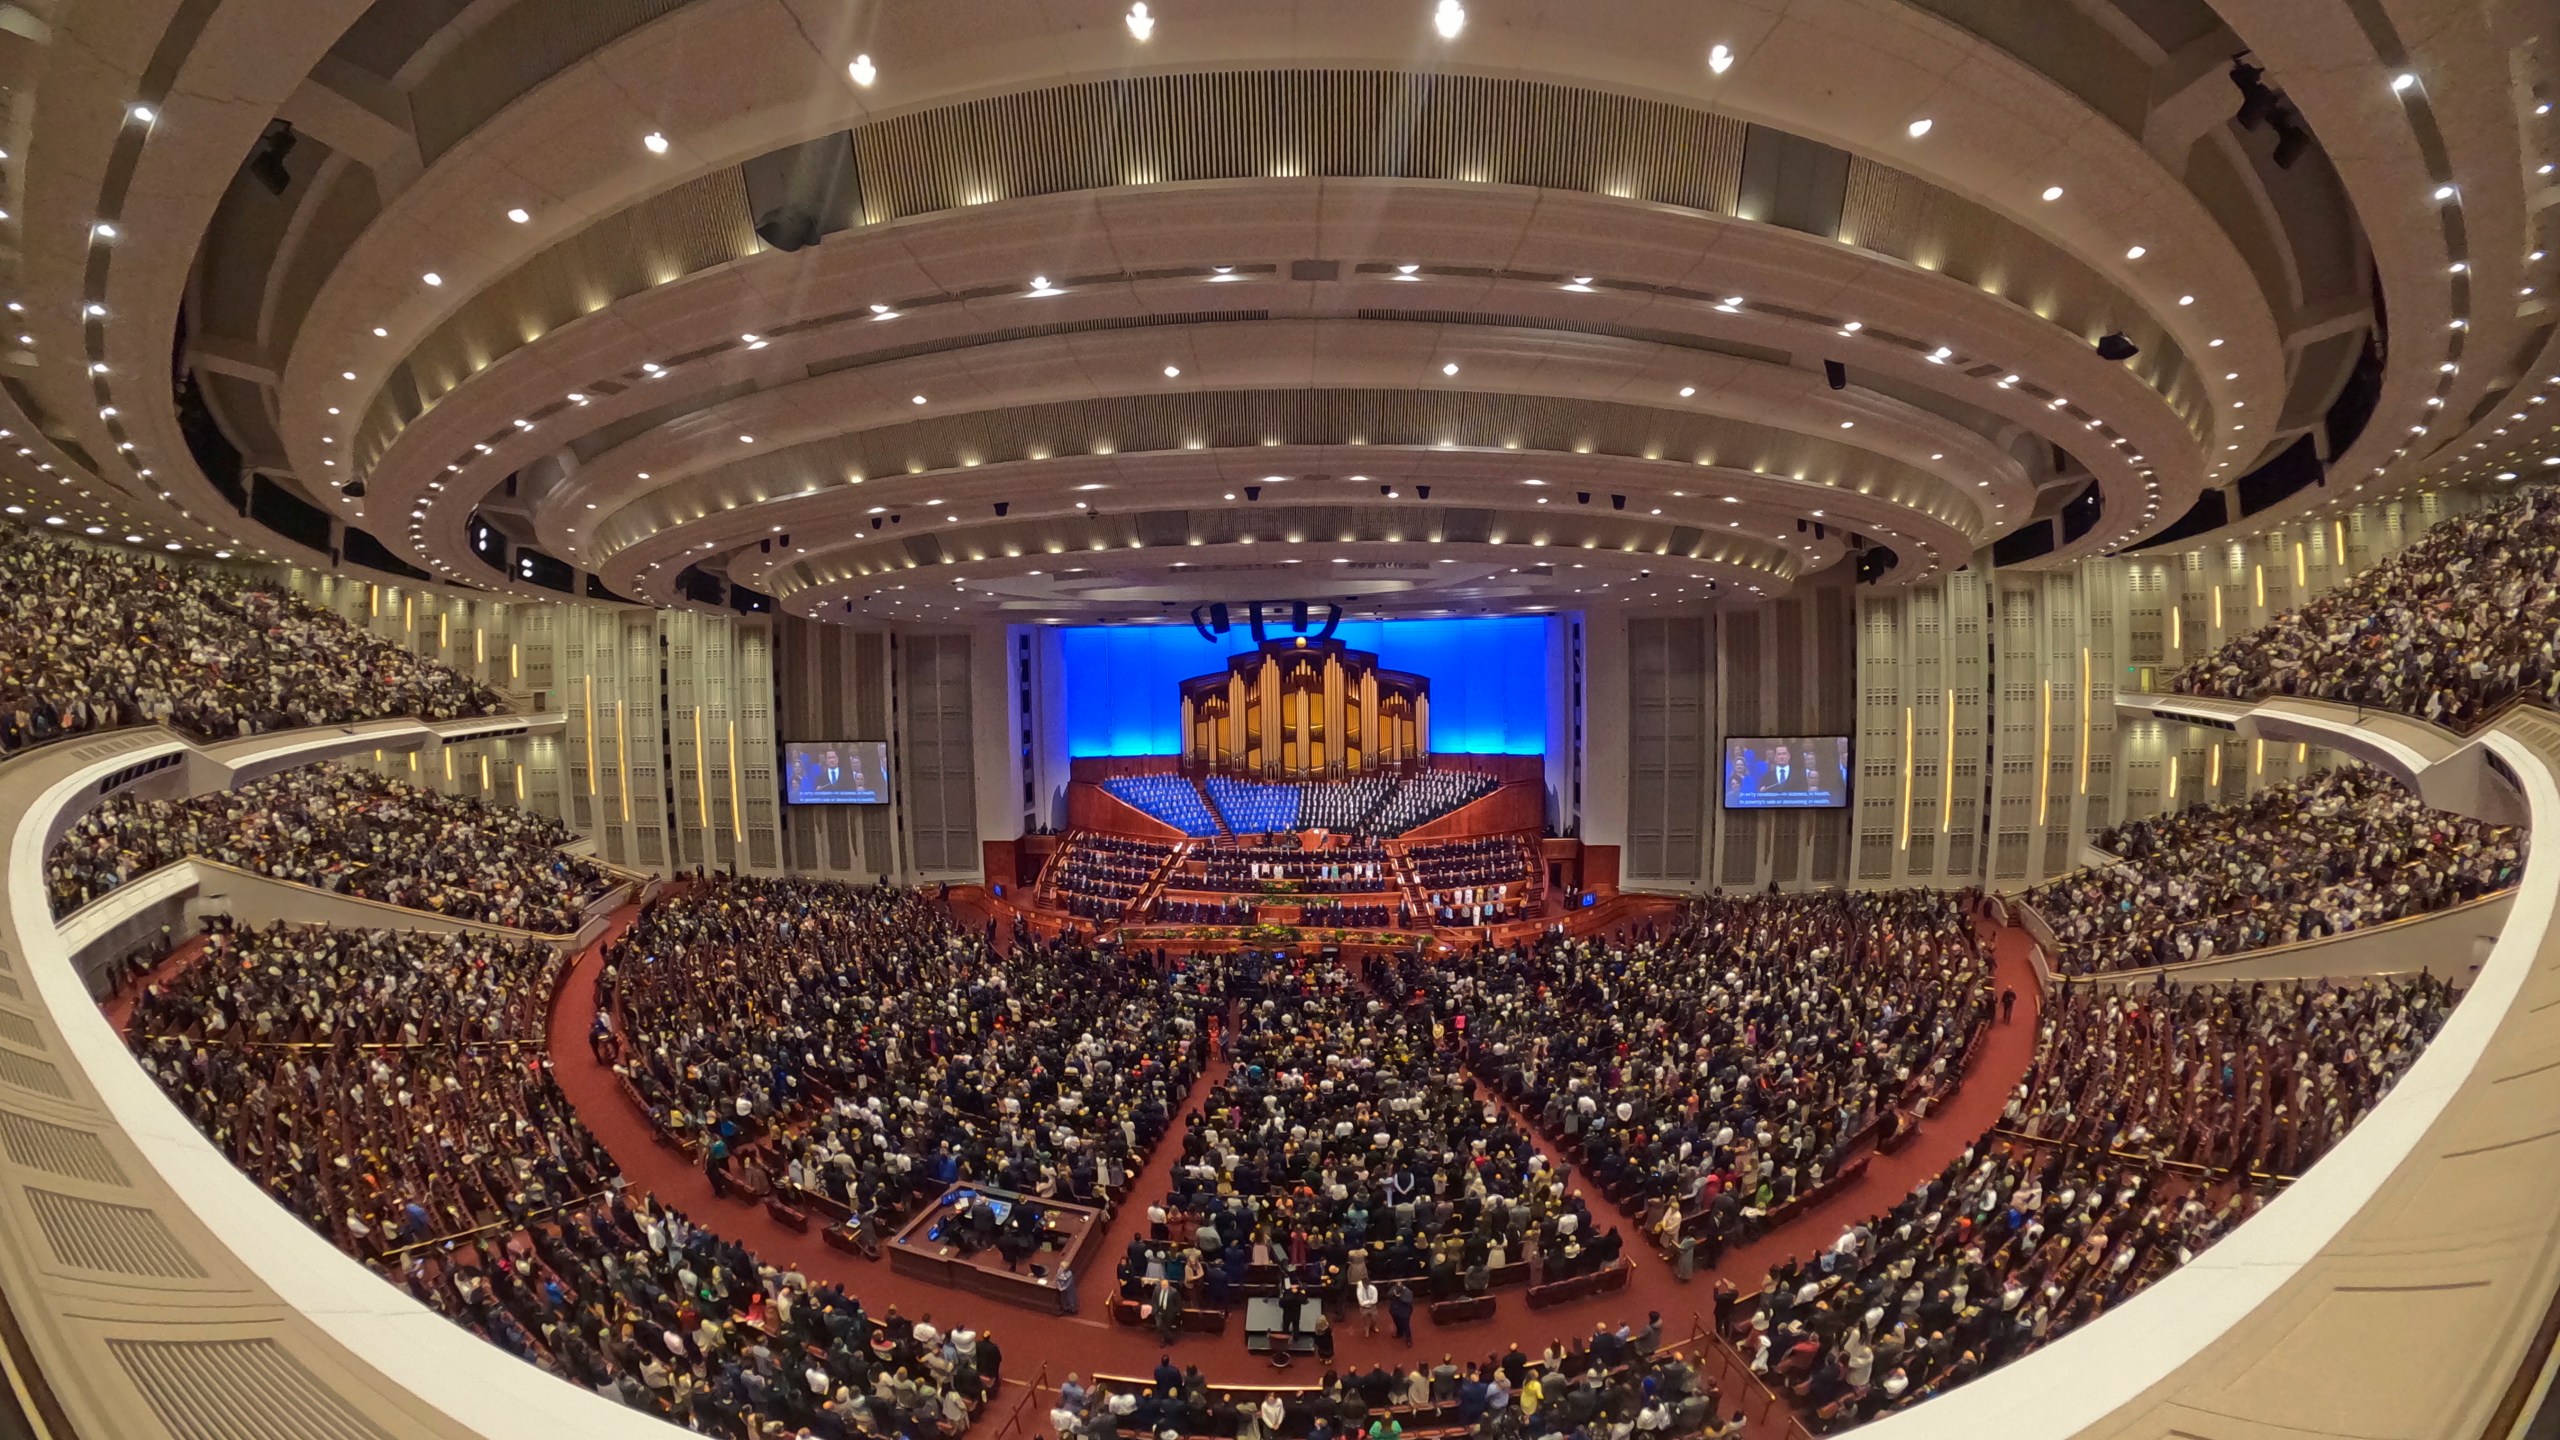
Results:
[1141, 23]
[1920, 127]
[1719, 58]
[1449, 19]
[655, 143]
[863, 71]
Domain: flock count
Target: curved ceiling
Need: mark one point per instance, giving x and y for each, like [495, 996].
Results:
[509, 270]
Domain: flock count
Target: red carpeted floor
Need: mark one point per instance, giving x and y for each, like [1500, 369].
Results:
[1090, 1342]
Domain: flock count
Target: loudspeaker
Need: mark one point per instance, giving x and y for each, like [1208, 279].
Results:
[1836, 373]
[1617, 502]
[1253, 492]
[1001, 507]
[1423, 491]
[1582, 497]
[875, 522]
[2114, 346]
[1298, 617]
[800, 194]
[266, 163]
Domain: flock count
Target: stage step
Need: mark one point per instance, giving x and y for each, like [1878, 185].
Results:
[1211, 800]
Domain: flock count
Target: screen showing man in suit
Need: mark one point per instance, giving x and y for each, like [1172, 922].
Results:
[1788, 772]
[854, 772]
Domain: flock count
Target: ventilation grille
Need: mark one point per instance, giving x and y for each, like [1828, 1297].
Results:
[57, 1150]
[31, 1074]
[1023, 332]
[124, 1239]
[1674, 339]
[19, 1030]
[237, 1390]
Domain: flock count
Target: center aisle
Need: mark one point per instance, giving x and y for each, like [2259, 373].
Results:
[1090, 1342]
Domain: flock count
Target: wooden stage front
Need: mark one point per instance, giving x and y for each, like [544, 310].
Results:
[930, 1247]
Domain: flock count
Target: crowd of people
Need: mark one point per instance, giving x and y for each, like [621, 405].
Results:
[1620, 1381]
[392, 1090]
[348, 831]
[2464, 618]
[1483, 860]
[1341, 870]
[1347, 1147]
[92, 639]
[2151, 1122]
[1096, 876]
[1172, 799]
[1710, 1077]
[2336, 851]
[2257, 1079]
[854, 1041]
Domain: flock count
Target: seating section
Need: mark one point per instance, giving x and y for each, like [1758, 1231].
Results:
[1253, 807]
[391, 1090]
[1616, 1380]
[92, 639]
[1428, 795]
[2333, 852]
[1390, 1121]
[1172, 799]
[2046, 1236]
[2447, 630]
[1712, 1079]
[348, 831]
[807, 1029]
[1097, 877]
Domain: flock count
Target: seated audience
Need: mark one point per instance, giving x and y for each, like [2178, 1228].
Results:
[396, 1115]
[2465, 618]
[1346, 1144]
[2323, 855]
[853, 1042]
[91, 639]
[2020, 1240]
[1711, 1078]
[1096, 877]
[344, 830]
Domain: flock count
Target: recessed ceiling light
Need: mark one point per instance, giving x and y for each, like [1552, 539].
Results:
[1719, 58]
[2446, 192]
[2053, 192]
[2401, 83]
[1141, 23]
[1449, 19]
[1919, 127]
[919, 399]
[656, 143]
[379, 333]
[862, 71]
[520, 215]
[432, 278]
[1173, 372]
[1449, 369]
[2136, 253]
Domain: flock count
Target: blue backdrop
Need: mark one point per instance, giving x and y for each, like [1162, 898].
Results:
[1488, 680]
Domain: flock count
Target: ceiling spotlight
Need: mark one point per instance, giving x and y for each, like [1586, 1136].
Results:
[1688, 390]
[2116, 346]
[1720, 58]
[520, 215]
[863, 71]
[1920, 127]
[2401, 83]
[919, 399]
[1141, 23]
[2053, 192]
[656, 143]
[432, 278]
[103, 231]
[1449, 19]
[1173, 372]
[2136, 253]
[381, 334]
[1449, 369]
[2446, 192]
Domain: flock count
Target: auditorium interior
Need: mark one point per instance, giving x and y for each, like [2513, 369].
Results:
[1279, 719]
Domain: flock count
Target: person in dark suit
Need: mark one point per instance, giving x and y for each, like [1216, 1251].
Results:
[833, 773]
[1785, 775]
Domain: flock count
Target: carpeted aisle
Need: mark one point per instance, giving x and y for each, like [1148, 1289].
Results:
[1086, 1343]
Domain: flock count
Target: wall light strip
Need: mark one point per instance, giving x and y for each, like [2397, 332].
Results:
[1910, 731]
[1947, 772]
[622, 755]
[2086, 701]
[737, 815]
[591, 737]
[2300, 577]
[2044, 754]
[701, 787]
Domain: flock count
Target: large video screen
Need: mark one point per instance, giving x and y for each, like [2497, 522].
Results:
[836, 772]
[1786, 772]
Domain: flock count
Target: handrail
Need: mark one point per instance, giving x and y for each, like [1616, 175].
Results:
[393, 913]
